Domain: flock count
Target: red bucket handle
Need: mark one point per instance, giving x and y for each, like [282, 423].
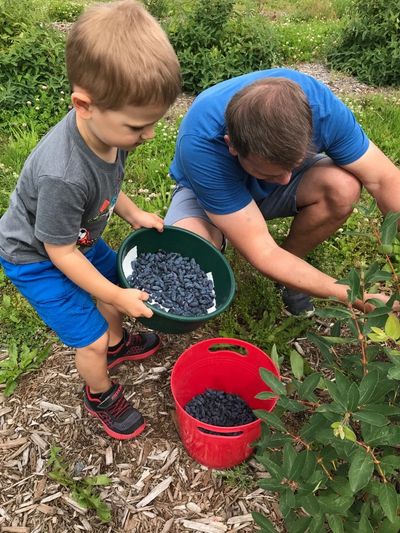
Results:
[252, 351]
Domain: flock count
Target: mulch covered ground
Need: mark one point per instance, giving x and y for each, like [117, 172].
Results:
[156, 486]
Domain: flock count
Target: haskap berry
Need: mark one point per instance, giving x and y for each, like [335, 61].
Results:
[220, 408]
[174, 283]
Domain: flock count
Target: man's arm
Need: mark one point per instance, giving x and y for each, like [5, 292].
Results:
[380, 177]
[78, 269]
[247, 231]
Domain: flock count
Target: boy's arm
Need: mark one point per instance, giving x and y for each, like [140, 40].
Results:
[78, 269]
[247, 231]
[135, 216]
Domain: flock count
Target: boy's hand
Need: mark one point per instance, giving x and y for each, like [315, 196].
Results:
[143, 219]
[131, 302]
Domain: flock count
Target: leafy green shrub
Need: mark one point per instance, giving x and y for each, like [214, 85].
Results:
[158, 8]
[369, 45]
[213, 43]
[338, 469]
[32, 61]
[65, 10]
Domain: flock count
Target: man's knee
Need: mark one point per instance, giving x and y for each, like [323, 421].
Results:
[341, 191]
[203, 228]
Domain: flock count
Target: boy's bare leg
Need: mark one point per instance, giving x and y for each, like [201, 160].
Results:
[91, 363]
[114, 319]
[326, 196]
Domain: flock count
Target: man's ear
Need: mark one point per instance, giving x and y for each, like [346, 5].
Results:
[231, 149]
[82, 104]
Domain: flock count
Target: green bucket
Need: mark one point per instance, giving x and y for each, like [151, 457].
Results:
[190, 245]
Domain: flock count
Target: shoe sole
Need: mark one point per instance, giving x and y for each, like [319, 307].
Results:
[307, 314]
[134, 357]
[114, 434]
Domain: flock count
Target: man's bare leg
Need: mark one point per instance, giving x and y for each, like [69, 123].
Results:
[325, 198]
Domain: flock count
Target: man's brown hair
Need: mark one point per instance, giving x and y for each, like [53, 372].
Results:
[120, 55]
[271, 118]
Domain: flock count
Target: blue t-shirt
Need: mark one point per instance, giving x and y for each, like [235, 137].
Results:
[202, 160]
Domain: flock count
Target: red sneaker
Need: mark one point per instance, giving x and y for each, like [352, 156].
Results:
[135, 346]
[119, 418]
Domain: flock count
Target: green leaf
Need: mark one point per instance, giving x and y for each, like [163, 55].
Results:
[394, 372]
[333, 312]
[335, 523]
[389, 228]
[387, 497]
[308, 386]
[263, 522]
[274, 356]
[368, 385]
[390, 463]
[354, 282]
[392, 327]
[364, 525]
[310, 504]
[291, 405]
[265, 395]
[273, 468]
[361, 470]
[271, 484]
[353, 397]
[98, 480]
[272, 381]
[287, 501]
[270, 419]
[297, 364]
[375, 419]
[335, 394]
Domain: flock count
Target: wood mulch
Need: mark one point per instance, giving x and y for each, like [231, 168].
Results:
[156, 487]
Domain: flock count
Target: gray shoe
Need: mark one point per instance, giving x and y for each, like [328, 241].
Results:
[296, 303]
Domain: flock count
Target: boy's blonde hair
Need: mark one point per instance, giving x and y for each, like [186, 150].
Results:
[120, 55]
[271, 118]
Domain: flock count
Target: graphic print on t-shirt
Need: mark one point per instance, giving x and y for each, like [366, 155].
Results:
[105, 211]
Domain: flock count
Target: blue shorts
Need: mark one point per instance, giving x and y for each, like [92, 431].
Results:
[281, 202]
[66, 308]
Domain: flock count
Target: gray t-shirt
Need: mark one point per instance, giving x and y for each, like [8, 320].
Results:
[65, 194]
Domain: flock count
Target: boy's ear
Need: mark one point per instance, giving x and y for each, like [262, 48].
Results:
[231, 149]
[82, 104]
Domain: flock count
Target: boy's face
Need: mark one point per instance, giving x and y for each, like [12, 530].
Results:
[125, 128]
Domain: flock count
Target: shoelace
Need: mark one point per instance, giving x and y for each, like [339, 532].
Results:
[134, 341]
[119, 408]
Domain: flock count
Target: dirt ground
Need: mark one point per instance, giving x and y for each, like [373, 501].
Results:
[156, 486]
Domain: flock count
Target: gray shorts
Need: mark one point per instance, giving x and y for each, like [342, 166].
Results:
[280, 203]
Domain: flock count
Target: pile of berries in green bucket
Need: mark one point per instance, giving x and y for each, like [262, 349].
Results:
[189, 281]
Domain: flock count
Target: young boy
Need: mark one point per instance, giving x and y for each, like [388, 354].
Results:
[124, 75]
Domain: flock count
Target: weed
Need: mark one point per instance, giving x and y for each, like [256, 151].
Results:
[83, 490]
[239, 476]
[20, 361]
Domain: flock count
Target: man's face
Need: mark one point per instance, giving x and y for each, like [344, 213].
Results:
[127, 127]
[262, 169]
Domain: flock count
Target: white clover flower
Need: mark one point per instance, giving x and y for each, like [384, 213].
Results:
[37, 108]
[29, 102]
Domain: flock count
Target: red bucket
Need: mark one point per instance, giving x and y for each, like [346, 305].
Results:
[214, 364]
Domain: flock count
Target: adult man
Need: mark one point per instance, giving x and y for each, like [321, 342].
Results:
[270, 144]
